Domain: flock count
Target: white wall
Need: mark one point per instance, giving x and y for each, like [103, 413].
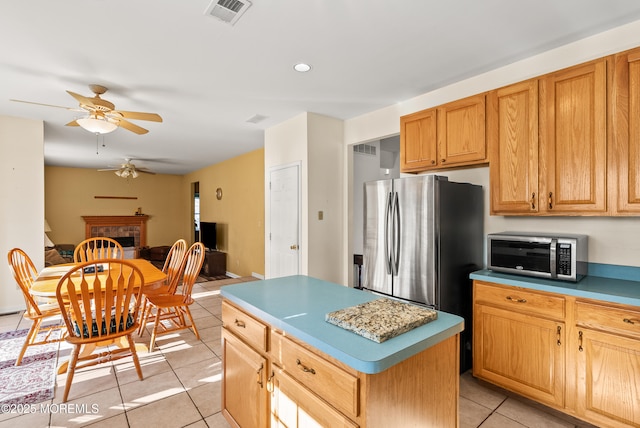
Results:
[316, 142]
[611, 240]
[284, 144]
[21, 200]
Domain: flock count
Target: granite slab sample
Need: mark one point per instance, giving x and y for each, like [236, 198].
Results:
[381, 319]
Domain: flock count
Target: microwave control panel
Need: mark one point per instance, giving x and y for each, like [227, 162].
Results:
[564, 259]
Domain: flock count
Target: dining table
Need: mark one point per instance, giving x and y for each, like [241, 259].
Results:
[46, 283]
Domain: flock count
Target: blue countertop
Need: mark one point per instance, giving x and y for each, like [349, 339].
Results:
[298, 305]
[614, 290]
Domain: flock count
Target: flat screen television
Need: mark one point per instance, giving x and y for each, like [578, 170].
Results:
[208, 235]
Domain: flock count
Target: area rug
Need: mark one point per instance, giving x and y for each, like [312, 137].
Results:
[34, 380]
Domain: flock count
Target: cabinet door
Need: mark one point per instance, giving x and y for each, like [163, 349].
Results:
[608, 372]
[512, 132]
[418, 143]
[244, 393]
[461, 132]
[519, 352]
[626, 153]
[293, 406]
[573, 140]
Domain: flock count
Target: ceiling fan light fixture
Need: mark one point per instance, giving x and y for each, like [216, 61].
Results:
[96, 125]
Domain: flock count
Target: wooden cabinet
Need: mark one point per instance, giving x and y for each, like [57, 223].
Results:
[625, 152]
[577, 355]
[294, 406]
[461, 132]
[418, 142]
[512, 137]
[273, 379]
[519, 341]
[447, 136]
[215, 264]
[607, 349]
[573, 140]
[548, 143]
[245, 398]
[244, 392]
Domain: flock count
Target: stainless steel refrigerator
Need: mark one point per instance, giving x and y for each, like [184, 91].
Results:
[423, 235]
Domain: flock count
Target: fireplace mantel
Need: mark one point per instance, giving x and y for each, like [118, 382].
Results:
[117, 226]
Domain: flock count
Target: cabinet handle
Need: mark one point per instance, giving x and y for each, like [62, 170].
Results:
[580, 348]
[550, 200]
[631, 320]
[516, 299]
[239, 323]
[533, 201]
[259, 374]
[305, 368]
[270, 382]
[558, 330]
[443, 160]
[433, 162]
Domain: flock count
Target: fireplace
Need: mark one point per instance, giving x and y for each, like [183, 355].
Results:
[123, 229]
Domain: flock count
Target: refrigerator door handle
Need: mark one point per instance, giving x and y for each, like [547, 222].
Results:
[387, 230]
[396, 234]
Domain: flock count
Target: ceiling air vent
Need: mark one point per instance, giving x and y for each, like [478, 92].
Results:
[228, 11]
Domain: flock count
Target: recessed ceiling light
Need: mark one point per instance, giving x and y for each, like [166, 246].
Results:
[302, 67]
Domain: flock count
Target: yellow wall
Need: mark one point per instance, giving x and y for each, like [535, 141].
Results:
[240, 212]
[70, 194]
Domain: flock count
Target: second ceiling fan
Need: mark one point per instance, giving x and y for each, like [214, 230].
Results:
[128, 170]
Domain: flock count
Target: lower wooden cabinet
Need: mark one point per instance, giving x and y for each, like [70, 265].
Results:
[273, 380]
[244, 392]
[294, 406]
[579, 356]
[607, 341]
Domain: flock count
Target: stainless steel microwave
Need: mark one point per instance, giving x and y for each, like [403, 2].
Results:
[545, 255]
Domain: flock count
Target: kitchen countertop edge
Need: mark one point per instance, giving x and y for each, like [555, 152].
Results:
[612, 290]
[347, 347]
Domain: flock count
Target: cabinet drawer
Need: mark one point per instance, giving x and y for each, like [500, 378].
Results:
[608, 318]
[295, 406]
[244, 326]
[521, 300]
[331, 383]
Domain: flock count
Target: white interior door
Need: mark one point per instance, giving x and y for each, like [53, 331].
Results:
[284, 237]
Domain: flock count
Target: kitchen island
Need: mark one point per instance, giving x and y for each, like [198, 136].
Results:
[283, 363]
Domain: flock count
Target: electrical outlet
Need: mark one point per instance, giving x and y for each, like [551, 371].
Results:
[320, 215]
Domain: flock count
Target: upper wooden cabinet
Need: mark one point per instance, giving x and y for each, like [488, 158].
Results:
[573, 140]
[512, 135]
[418, 143]
[548, 143]
[446, 136]
[625, 152]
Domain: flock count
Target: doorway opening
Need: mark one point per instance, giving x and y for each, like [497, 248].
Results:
[195, 211]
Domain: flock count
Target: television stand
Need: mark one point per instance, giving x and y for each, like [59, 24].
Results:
[215, 263]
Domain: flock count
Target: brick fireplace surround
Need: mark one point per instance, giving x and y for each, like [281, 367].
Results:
[114, 226]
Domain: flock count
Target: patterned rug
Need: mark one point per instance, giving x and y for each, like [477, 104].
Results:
[34, 380]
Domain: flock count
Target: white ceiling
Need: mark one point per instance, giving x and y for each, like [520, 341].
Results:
[207, 78]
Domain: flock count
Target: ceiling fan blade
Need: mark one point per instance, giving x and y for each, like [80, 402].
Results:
[145, 171]
[72, 123]
[47, 105]
[137, 115]
[132, 127]
[82, 99]
[109, 169]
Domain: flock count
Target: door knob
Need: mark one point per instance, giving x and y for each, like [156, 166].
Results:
[294, 247]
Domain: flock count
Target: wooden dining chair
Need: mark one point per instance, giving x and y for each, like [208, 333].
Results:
[37, 310]
[100, 307]
[99, 247]
[171, 311]
[173, 265]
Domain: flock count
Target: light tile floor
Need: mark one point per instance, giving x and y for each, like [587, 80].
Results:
[181, 386]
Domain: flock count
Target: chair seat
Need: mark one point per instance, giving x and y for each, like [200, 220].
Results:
[169, 300]
[113, 327]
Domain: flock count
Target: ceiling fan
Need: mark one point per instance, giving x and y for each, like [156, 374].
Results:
[128, 170]
[101, 115]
